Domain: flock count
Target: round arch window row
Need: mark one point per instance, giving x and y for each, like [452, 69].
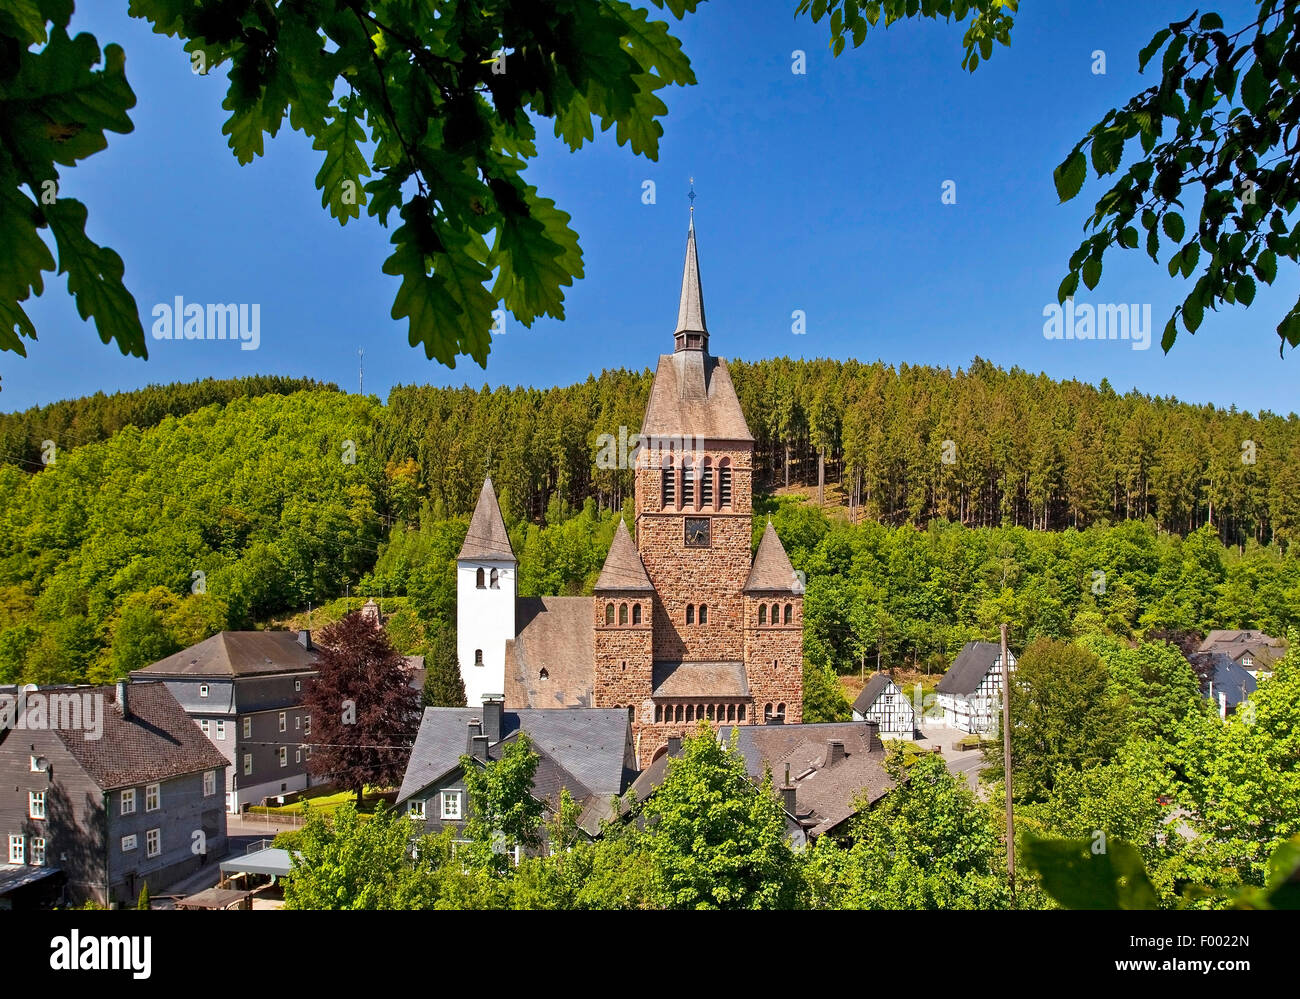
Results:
[626, 614]
[727, 711]
[684, 488]
[776, 615]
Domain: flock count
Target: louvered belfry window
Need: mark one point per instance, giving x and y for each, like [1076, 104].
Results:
[724, 484]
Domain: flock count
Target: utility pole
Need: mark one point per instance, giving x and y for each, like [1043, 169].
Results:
[1006, 768]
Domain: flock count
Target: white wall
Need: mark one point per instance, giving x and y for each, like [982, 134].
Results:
[485, 619]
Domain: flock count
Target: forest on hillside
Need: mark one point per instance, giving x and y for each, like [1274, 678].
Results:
[257, 506]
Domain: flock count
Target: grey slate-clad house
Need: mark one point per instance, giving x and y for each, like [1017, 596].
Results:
[970, 692]
[822, 771]
[1253, 651]
[128, 793]
[1223, 680]
[244, 691]
[883, 703]
[587, 751]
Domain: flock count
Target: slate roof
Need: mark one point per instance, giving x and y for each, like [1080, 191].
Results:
[157, 742]
[693, 395]
[623, 569]
[970, 667]
[690, 308]
[1219, 673]
[699, 679]
[556, 634]
[586, 750]
[1264, 649]
[771, 570]
[487, 538]
[237, 653]
[876, 686]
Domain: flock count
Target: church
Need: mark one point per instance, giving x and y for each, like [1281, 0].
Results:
[684, 624]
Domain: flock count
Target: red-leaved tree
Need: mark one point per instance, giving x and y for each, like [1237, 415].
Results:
[364, 713]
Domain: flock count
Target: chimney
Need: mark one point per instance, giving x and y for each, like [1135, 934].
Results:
[123, 701]
[479, 748]
[874, 745]
[494, 708]
[304, 639]
[834, 752]
[674, 745]
[788, 793]
[475, 732]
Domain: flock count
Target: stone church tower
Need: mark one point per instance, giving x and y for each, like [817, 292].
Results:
[687, 625]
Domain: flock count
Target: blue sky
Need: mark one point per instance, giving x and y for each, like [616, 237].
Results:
[817, 192]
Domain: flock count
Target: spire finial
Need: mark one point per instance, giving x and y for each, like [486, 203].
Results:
[691, 195]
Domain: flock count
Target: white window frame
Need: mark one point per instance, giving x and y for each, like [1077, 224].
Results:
[248, 764]
[452, 798]
[209, 783]
[248, 728]
[129, 843]
[203, 690]
[297, 685]
[38, 851]
[221, 729]
[127, 802]
[284, 756]
[36, 804]
[297, 722]
[415, 808]
[205, 726]
[34, 767]
[17, 848]
[152, 793]
[153, 843]
[306, 724]
[284, 722]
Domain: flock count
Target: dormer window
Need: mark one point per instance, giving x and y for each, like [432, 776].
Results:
[203, 690]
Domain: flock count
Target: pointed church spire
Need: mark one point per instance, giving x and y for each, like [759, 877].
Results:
[691, 333]
[487, 537]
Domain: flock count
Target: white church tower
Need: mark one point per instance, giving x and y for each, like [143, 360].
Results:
[486, 574]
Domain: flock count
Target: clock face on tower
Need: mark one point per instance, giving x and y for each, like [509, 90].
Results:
[697, 532]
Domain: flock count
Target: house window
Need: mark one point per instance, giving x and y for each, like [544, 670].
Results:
[609, 613]
[670, 486]
[248, 728]
[706, 484]
[152, 797]
[724, 483]
[297, 685]
[622, 613]
[36, 804]
[306, 724]
[636, 613]
[128, 801]
[284, 756]
[129, 843]
[688, 482]
[479, 582]
[740, 713]
[221, 730]
[690, 613]
[17, 849]
[704, 613]
[205, 726]
[38, 851]
[762, 613]
[478, 657]
[153, 842]
[776, 614]
[495, 580]
[415, 808]
[203, 690]
[451, 804]
[297, 722]
[248, 764]
[283, 722]
[297, 755]
[209, 783]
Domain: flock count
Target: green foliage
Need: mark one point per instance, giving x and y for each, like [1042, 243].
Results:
[443, 685]
[718, 841]
[1064, 718]
[503, 814]
[1155, 680]
[823, 697]
[927, 845]
[1090, 874]
[143, 901]
[990, 20]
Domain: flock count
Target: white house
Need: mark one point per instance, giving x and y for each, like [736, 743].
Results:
[970, 693]
[486, 577]
[883, 703]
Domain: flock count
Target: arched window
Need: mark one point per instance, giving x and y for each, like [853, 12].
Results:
[478, 657]
[699, 711]
[788, 614]
[669, 488]
[731, 712]
[704, 613]
[478, 580]
[776, 613]
[780, 712]
[762, 613]
[690, 712]
[690, 613]
[493, 580]
[631, 713]
[706, 484]
[622, 613]
[688, 481]
[767, 713]
[724, 482]
[740, 714]
[677, 715]
[659, 712]
[636, 613]
[709, 711]
[609, 613]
